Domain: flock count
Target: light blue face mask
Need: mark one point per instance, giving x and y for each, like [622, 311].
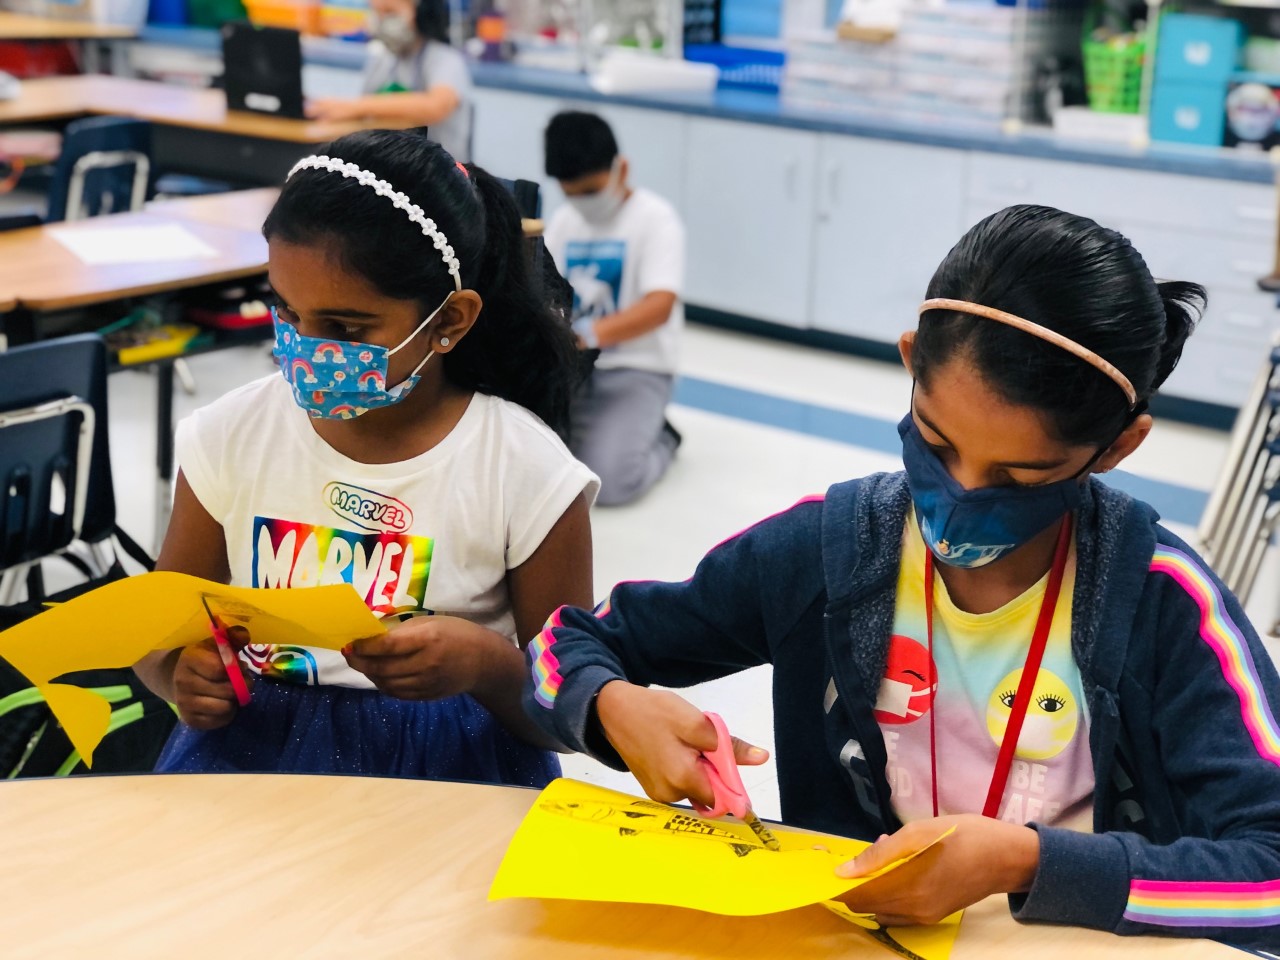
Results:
[971, 528]
[341, 379]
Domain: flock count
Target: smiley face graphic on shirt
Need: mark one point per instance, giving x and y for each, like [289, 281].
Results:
[1052, 715]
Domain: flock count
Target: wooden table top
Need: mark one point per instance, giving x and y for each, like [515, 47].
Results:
[258, 865]
[61, 98]
[242, 209]
[21, 26]
[247, 209]
[41, 274]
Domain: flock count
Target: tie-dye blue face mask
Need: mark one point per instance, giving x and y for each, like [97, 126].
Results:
[971, 528]
[341, 379]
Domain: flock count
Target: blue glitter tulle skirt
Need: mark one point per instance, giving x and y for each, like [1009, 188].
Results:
[290, 728]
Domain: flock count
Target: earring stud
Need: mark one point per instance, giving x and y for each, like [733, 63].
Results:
[444, 341]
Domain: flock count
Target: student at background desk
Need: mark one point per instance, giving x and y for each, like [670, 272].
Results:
[412, 75]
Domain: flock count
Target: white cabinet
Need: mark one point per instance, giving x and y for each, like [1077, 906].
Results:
[507, 134]
[508, 141]
[1217, 233]
[749, 219]
[842, 234]
[886, 215]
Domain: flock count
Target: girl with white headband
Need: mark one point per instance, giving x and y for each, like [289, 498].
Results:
[403, 447]
[993, 640]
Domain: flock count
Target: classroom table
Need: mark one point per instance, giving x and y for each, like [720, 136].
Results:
[193, 131]
[276, 865]
[21, 26]
[44, 276]
[40, 277]
[242, 209]
[249, 208]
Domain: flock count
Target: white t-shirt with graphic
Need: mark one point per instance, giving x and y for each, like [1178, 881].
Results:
[639, 251]
[433, 534]
[979, 660]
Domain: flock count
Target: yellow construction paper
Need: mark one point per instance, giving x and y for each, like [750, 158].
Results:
[912, 943]
[583, 842]
[120, 623]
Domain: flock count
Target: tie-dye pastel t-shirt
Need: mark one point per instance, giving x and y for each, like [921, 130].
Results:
[979, 660]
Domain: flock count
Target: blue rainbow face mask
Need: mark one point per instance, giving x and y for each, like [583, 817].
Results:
[341, 379]
[971, 528]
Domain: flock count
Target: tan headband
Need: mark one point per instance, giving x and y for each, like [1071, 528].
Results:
[1044, 333]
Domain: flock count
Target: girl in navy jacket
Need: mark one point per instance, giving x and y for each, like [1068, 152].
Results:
[992, 640]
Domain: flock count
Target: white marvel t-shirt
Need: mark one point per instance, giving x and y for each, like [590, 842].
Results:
[433, 534]
[640, 250]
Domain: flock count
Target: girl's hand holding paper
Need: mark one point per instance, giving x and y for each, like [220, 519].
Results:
[662, 737]
[203, 691]
[425, 658]
[981, 856]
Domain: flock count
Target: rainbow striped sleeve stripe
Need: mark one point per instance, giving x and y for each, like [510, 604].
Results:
[1170, 903]
[546, 668]
[1224, 638]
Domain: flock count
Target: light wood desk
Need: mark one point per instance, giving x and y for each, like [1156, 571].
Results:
[21, 26]
[242, 209]
[194, 131]
[247, 209]
[51, 98]
[262, 866]
[44, 276]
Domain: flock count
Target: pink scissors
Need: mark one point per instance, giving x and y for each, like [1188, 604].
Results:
[228, 655]
[728, 793]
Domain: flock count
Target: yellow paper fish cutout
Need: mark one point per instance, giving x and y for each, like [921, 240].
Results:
[120, 623]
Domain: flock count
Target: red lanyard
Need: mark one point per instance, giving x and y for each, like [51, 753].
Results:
[1000, 776]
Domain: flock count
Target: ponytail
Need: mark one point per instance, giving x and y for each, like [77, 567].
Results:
[521, 347]
[1184, 305]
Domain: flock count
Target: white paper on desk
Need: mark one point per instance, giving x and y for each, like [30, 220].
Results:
[146, 243]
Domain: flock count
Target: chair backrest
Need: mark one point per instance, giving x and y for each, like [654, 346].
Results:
[104, 167]
[55, 466]
[528, 196]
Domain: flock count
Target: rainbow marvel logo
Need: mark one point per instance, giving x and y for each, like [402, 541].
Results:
[368, 509]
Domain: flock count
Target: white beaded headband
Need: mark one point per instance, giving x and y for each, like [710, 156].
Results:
[401, 201]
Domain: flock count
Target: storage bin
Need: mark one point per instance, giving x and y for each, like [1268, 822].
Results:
[1198, 48]
[744, 68]
[1113, 75]
[1188, 112]
[291, 14]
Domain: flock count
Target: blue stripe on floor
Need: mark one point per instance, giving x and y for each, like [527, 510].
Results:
[1175, 502]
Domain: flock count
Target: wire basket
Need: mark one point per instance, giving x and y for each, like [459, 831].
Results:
[1113, 75]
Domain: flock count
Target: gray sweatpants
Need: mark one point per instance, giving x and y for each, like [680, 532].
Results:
[617, 429]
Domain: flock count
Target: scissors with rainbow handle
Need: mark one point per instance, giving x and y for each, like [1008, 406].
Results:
[728, 793]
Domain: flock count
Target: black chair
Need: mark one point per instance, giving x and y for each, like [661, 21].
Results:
[59, 504]
[104, 167]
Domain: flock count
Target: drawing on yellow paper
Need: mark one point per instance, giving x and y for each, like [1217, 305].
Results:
[583, 842]
[120, 623]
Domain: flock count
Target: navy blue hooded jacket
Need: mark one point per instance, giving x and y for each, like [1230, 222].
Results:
[1183, 732]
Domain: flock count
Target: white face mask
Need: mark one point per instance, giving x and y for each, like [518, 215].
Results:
[395, 32]
[600, 207]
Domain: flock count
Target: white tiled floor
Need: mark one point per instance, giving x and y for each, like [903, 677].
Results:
[729, 473]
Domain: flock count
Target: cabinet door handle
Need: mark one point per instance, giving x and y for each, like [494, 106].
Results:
[833, 183]
[1260, 214]
[791, 172]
